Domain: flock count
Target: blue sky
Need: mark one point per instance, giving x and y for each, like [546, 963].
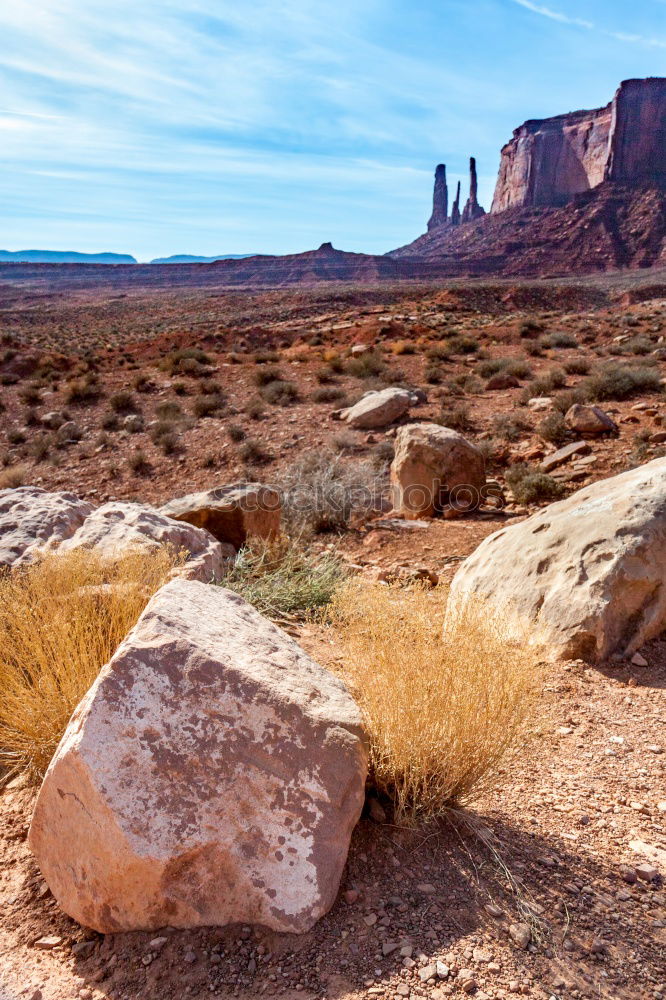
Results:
[160, 126]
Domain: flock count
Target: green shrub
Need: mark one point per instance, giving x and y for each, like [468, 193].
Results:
[368, 365]
[511, 426]
[553, 428]
[284, 578]
[456, 417]
[123, 402]
[209, 405]
[280, 393]
[328, 394]
[617, 381]
[528, 485]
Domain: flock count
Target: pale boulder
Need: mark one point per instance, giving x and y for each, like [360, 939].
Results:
[117, 526]
[232, 514]
[435, 468]
[212, 775]
[378, 409]
[32, 520]
[583, 577]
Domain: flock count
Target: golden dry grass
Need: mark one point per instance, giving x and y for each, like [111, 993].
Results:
[61, 619]
[441, 713]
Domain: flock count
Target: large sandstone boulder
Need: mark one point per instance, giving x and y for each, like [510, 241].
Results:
[378, 409]
[589, 421]
[585, 576]
[32, 520]
[212, 774]
[116, 526]
[232, 514]
[435, 468]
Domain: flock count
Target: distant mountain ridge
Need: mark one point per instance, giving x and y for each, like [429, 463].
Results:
[64, 257]
[187, 258]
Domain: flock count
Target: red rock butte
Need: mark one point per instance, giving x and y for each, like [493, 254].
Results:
[550, 160]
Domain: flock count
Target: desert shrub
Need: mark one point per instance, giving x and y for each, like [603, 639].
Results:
[456, 417]
[639, 345]
[564, 400]
[511, 426]
[462, 345]
[31, 418]
[560, 339]
[123, 402]
[432, 374]
[253, 452]
[507, 366]
[30, 395]
[383, 454]
[328, 394]
[336, 365]
[346, 443]
[617, 381]
[546, 384]
[110, 422]
[399, 347]
[208, 404]
[577, 366]
[368, 365]
[187, 361]
[142, 383]
[439, 352]
[169, 410]
[265, 376]
[529, 329]
[553, 428]
[138, 463]
[255, 409]
[266, 357]
[61, 620]
[442, 710]
[280, 393]
[282, 578]
[82, 391]
[322, 492]
[528, 485]
[40, 447]
[16, 436]
[236, 432]
[13, 477]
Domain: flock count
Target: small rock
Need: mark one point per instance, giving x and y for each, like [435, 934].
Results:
[646, 872]
[190, 957]
[493, 910]
[427, 972]
[370, 919]
[49, 942]
[442, 970]
[520, 934]
[351, 895]
[157, 943]
[638, 660]
[376, 811]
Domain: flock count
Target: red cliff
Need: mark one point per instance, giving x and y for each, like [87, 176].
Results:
[549, 161]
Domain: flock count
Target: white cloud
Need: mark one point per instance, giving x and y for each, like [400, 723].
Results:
[619, 36]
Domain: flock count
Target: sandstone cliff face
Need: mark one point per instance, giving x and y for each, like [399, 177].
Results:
[550, 161]
[637, 146]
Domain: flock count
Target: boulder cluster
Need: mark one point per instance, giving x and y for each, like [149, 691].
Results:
[213, 773]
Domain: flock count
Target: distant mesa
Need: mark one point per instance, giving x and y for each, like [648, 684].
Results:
[187, 258]
[63, 257]
[580, 192]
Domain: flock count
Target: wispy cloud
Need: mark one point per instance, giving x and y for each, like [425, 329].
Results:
[554, 15]
[631, 38]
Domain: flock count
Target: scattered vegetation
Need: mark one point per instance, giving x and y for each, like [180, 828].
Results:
[442, 713]
[322, 491]
[618, 381]
[283, 578]
[553, 428]
[61, 620]
[528, 485]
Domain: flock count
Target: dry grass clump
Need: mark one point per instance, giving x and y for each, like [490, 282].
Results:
[441, 712]
[61, 620]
